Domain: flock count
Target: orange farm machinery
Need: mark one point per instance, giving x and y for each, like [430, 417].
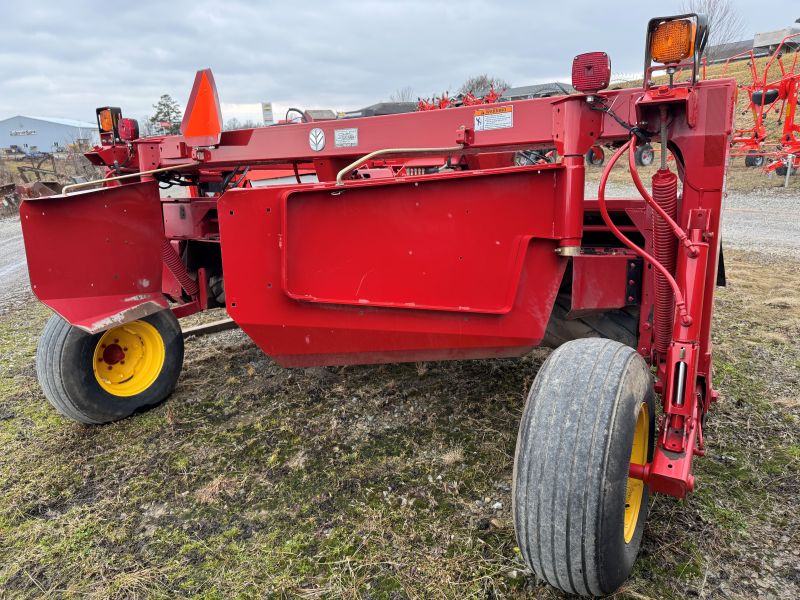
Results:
[422, 236]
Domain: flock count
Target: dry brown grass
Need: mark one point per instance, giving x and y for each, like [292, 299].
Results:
[379, 481]
[218, 488]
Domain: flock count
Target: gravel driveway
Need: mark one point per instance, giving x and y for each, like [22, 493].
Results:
[13, 271]
[763, 223]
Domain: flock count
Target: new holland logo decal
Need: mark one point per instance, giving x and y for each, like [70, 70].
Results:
[316, 139]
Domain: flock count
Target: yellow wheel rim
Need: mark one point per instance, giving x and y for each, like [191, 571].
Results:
[128, 359]
[635, 488]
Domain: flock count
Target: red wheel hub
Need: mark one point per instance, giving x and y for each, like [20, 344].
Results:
[113, 354]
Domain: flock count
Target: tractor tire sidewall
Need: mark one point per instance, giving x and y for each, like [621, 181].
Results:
[593, 159]
[91, 401]
[754, 159]
[589, 511]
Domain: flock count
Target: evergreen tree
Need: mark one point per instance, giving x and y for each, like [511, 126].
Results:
[167, 116]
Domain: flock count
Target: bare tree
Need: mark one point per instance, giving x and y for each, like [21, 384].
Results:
[404, 94]
[231, 124]
[146, 127]
[480, 84]
[234, 123]
[725, 24]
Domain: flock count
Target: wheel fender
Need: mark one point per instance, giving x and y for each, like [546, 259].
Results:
[95, 257]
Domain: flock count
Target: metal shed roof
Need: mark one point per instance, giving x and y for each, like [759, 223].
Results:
[58, 121]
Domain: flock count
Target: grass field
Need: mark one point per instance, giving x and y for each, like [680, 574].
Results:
[376, 482]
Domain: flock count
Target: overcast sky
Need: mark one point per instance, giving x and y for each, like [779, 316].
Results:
[64, 58]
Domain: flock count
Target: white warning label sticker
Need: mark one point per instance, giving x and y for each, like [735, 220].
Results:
[501, 117]
[345, 138]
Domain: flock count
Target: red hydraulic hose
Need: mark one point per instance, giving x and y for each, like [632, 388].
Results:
[637, 181]
[680, 303]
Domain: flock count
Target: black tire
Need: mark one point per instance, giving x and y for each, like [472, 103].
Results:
[645, 155]
[65, 369]
[595, 156]
[754, 159]
[571, 466]
[620, 325]
[782, 170]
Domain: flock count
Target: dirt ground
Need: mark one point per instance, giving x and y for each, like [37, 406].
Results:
[385, 481]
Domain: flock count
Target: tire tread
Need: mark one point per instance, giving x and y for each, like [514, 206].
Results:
[572, 403]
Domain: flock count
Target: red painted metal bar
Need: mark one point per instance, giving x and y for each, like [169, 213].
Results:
[536, 122]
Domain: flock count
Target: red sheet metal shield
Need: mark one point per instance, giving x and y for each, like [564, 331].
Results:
[450, 266]
[409, 247]
[95, 257]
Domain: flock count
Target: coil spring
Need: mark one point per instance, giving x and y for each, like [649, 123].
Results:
[175, 264]
[665, 193]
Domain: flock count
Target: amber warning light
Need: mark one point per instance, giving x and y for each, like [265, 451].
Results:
[672, 41]
[108, 118]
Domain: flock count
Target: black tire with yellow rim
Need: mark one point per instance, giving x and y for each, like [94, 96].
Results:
[578, 517]
[107, 376]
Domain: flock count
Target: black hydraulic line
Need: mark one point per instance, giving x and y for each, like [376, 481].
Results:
[298, 111]
[227, 179]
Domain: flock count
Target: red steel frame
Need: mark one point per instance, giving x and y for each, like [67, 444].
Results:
[462, 263]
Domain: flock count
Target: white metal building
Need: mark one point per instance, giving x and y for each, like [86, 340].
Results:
[45, 134]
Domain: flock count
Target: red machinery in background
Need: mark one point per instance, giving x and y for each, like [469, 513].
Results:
[777, 97]
[387, 257]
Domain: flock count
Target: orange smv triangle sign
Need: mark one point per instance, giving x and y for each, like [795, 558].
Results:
[202, 121]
